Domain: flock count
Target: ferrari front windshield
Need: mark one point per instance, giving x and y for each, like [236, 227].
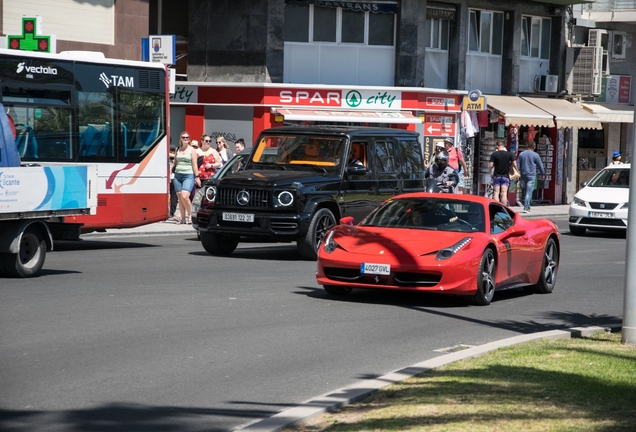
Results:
[440, 214]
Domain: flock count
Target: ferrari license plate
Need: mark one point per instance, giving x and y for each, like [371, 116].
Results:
[600, 215]
[238, 217]
[376, 269]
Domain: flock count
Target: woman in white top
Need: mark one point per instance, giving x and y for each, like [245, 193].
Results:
[224, 150]
[186, 174]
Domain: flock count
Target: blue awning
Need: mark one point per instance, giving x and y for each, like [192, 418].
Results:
[389, 6]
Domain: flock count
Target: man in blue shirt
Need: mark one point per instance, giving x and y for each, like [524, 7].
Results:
[528, 162]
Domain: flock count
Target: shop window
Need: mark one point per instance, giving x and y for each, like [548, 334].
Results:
[436, 33]
[485, 34]
[297, 22]
[352, 27]
[591, 138]
[312, 23]
[535, 37]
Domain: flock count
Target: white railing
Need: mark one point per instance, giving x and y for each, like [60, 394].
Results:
[609, 5]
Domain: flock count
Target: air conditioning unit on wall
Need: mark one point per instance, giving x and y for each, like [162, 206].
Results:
[548, 83]
[619, 45]
[583, 70]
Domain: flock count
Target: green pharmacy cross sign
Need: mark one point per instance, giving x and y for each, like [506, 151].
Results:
[29, 40]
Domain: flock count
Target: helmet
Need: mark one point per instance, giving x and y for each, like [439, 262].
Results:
[441, 159]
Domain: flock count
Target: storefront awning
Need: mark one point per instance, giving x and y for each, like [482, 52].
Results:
[517, 111]
[566, 114]
[347, 116]
[611, 113]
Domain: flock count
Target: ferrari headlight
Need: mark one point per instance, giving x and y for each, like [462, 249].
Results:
[625, 206]
[450, 251]
[210, 194]
[330, 243]
[285, 199]
[579, 202]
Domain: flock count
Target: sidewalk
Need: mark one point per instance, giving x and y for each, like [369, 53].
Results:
[170, 227]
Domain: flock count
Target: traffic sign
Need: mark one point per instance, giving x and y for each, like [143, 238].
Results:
[439, 125]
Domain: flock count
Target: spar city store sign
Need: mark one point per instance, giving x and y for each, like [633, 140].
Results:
[350, 99]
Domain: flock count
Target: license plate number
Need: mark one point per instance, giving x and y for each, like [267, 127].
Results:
[238, 217]
[376, 269]
[601, 215]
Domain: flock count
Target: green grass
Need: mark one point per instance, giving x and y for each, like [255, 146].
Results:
[586, 384]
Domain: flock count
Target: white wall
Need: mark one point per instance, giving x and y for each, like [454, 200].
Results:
[483, 72]
[339, 64]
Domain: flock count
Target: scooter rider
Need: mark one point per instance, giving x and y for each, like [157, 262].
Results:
[446, 176]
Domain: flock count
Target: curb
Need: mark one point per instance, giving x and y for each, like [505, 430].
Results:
[358, 391]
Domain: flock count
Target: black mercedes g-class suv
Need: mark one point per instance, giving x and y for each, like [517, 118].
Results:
[298, 181]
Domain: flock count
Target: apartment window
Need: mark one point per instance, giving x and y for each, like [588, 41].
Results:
[305, 22]
[485, 33]
[436, 33]
[535, 37]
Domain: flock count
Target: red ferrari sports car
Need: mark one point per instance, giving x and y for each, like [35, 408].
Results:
[455, 244]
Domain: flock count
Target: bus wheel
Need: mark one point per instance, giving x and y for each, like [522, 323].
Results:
[29, 259]
[219, 244]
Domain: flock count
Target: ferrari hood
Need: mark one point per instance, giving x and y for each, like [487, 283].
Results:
[395, 241]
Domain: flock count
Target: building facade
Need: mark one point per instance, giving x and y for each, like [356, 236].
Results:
[516, 54]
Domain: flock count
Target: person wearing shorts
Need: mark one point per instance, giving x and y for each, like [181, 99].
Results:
[500, 162]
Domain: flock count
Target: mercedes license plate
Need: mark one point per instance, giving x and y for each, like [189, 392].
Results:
[600, 215]
[238, 217]
[376, 269]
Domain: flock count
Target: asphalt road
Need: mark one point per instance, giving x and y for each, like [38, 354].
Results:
[152, 333]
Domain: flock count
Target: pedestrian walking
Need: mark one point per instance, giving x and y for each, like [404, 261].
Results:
[529, 161]
[456, 161]
[224, 150]
[500, 162]
[186, 175]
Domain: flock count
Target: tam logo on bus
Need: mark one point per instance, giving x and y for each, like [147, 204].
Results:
[116, 80]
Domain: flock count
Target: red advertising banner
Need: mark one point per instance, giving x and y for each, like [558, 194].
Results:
[624, 89]
[439, 125]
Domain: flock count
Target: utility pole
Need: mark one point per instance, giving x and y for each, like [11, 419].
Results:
[629, 303]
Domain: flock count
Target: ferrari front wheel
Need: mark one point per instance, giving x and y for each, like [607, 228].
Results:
[337, 290]
[549, 266]
[485, 279]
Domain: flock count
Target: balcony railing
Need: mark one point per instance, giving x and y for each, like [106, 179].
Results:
[609, 5]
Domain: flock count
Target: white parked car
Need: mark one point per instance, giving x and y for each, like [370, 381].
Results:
[602, 203]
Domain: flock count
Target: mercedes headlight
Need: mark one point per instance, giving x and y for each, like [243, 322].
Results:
[284, 199]
[448, 252]
[210, 194]
[579, 202]
[330, 244]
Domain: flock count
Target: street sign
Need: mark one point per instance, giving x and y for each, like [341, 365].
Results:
[439, 125]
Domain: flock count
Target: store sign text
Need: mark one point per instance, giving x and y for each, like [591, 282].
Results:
[303, 97]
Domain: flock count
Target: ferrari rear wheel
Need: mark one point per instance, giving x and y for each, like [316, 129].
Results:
[337, 290]
[485, 279]
[549, 267]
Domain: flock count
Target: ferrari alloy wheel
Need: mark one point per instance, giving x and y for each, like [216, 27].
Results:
[321, 222]
[576, 230]
[549, 267]
[337, 290]
[219, 244]
[485, 279]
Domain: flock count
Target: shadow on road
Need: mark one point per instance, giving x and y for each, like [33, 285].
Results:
[424, 302]
[127, 417]
[74, 245]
